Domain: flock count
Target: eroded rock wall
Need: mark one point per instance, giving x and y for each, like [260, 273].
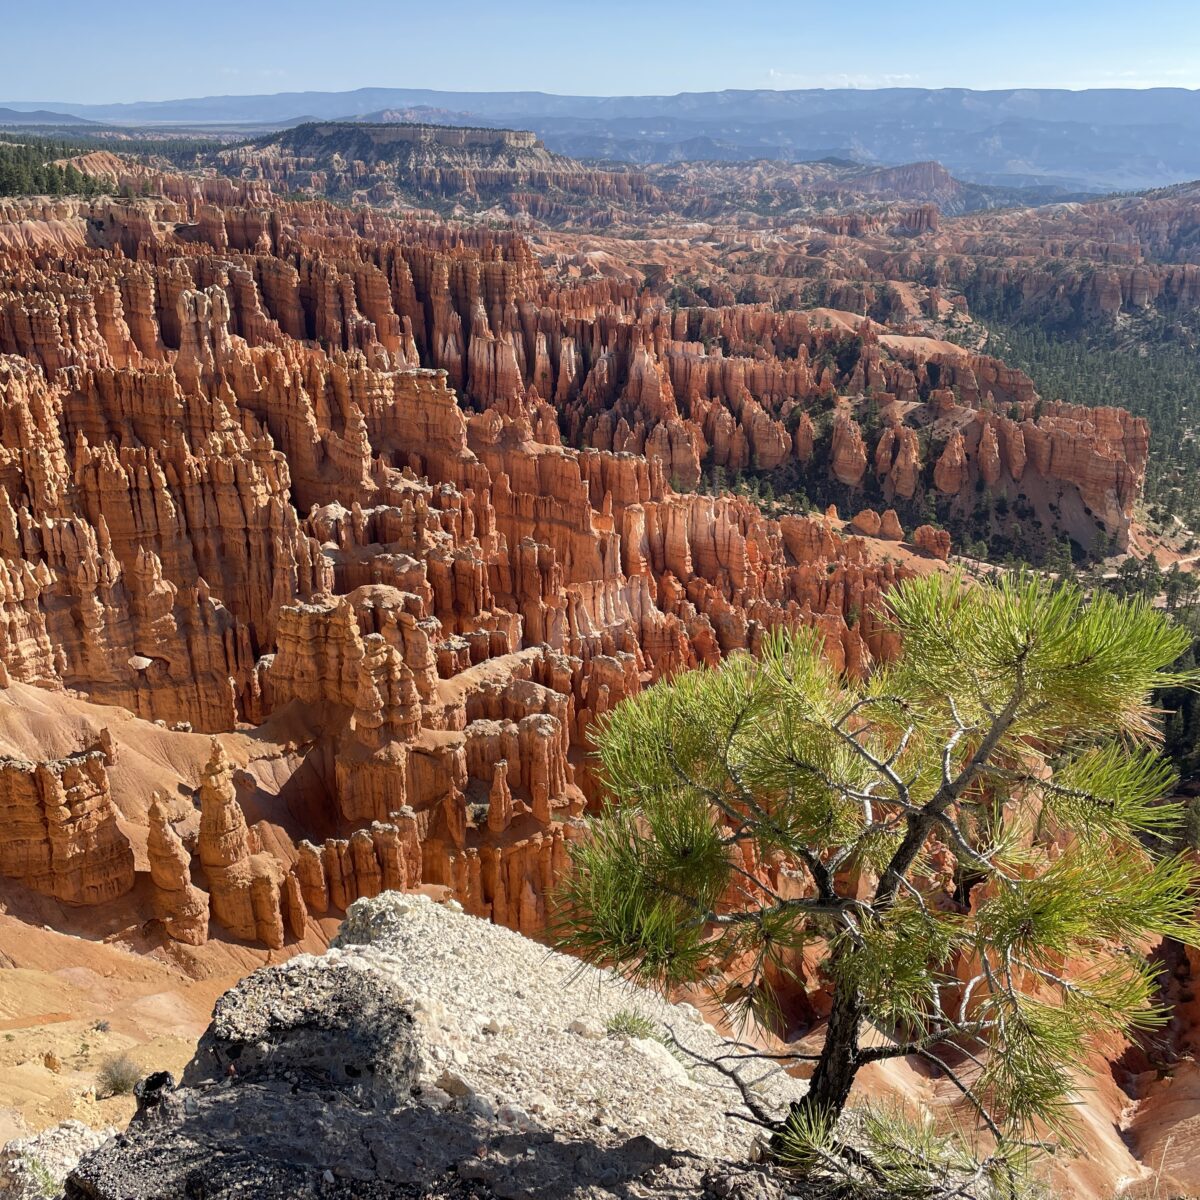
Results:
[61, 836]
[290, 465]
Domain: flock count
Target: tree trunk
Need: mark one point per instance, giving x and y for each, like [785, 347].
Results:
[829, 1088]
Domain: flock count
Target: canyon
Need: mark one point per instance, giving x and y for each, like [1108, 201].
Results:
[395, 488]
[327, 533]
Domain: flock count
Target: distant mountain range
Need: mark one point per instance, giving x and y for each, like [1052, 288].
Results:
[39, 116]
[1099, 140]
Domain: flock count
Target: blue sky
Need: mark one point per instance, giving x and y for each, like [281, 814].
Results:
[82, 50]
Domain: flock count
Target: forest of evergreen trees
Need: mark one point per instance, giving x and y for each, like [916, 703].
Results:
[27, 164]
[1160, 382]
[27, 168]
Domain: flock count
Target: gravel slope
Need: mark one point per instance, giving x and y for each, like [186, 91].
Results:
[513, 1029]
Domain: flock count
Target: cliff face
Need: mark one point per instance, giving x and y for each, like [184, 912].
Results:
[398, 485]
[61, 833]
[1081, 264]
[389, 164]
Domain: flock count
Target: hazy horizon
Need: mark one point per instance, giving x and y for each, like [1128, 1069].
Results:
[156, 53]
[365, 87]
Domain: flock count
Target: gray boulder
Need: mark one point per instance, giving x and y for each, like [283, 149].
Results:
[374, 1071]
[305, 1086]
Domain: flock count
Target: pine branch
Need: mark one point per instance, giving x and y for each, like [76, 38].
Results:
[944, 1033]
[753, 1106]
[965, 1089]
[920, 824]
[839, 906]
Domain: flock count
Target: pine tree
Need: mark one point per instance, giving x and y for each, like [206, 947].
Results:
[999, 789]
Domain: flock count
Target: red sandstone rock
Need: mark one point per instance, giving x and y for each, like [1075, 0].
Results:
[950, 473]
[208, 518]
[935, 542]
[889, 526]
[182, 907]
[849, 453]
[988, 456]
[500, 802]
[61, 836]
[244, 887]
[866, 522]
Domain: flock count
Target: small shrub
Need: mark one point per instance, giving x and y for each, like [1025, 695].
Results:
[881, 1153]
[101, 1026]
[118, 1076]
[42, 1179]
[630, 1024]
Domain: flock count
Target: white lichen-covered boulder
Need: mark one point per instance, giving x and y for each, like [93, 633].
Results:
[34, 1167]
[521, 1025]
[431, 1054]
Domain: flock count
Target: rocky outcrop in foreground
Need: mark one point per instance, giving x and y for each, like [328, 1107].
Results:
[33, 1168]
[430, 1054]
